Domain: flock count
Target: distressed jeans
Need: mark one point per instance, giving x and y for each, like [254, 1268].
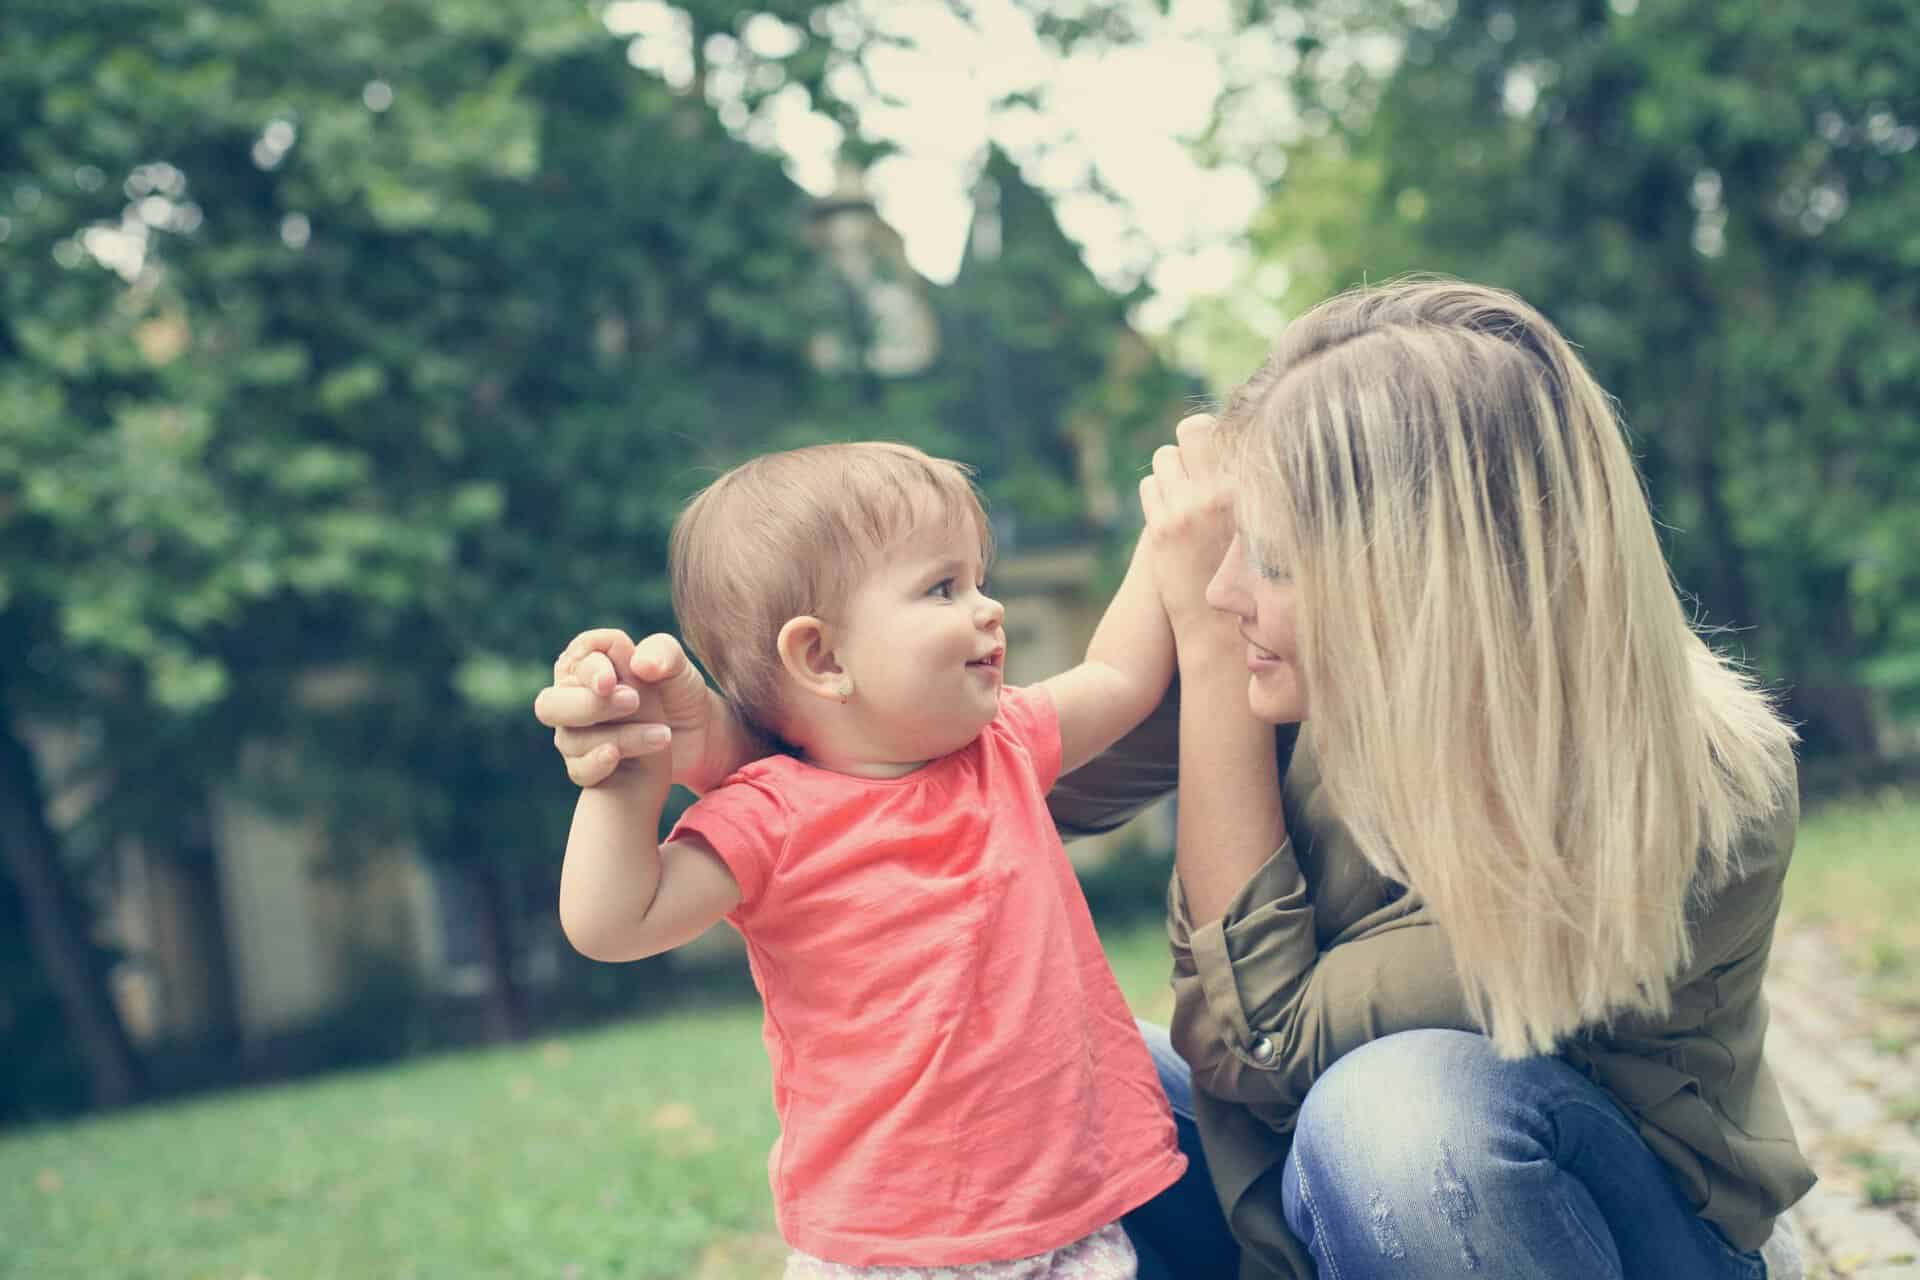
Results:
[1424, 1154]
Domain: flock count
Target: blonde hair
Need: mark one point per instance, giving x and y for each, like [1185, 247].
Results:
[790, 534]
[1509, 704]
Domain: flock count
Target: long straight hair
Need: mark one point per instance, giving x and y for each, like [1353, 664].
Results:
[1510, 706]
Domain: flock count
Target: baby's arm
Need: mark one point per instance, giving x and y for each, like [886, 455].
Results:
[623, 895]
[1129, 664]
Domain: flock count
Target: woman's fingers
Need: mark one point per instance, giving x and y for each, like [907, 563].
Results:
[612, 645]
[593, 753]
[662, 667]
[627, 740]
[1170, 476]
[1202, 489]
[1152, 505]
[1199, 449]
[573, 706]
[595, 671]
[658, 658]
[598, 719]
[1189, 517]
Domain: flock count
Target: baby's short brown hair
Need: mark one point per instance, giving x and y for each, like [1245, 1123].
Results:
[789, 534]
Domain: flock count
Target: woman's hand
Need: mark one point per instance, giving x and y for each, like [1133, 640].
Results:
[612, 700]
[1189, 511]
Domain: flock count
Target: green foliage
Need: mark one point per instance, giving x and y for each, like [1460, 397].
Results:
[370, 336]
[1040, 369]
[1718, 203]
[353, 355]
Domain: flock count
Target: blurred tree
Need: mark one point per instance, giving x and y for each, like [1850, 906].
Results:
[1041, 369]
[1718, 203]
[348, 354]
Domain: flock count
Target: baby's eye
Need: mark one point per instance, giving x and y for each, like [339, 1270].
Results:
[942, 588]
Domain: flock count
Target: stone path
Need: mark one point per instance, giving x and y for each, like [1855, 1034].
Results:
[1851, 1073]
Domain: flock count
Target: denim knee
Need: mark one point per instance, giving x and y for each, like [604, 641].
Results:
[1400, 1144]
[1414, 1091]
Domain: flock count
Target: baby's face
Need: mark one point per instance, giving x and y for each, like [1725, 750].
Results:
[923, 645]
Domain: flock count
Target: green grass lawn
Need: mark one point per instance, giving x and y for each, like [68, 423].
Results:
[1856, 876]
[634, 1151]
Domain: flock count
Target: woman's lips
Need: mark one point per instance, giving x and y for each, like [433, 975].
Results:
[1258, 657]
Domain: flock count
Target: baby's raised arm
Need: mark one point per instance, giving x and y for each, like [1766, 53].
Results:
[1128, 666]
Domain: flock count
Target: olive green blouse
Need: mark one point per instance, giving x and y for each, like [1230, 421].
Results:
[1319, 954]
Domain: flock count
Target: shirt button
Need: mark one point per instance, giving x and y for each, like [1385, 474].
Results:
[1261, 1049]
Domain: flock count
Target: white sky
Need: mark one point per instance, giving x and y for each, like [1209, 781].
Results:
[1121, 116]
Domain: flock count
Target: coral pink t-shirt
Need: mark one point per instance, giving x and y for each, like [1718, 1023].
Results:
[957, 1076]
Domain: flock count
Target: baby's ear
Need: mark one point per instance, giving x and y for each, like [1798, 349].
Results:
[809, 662]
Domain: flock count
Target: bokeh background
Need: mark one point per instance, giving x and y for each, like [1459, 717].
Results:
[355, 353]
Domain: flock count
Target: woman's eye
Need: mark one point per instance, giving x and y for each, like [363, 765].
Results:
[1268, 569]
[1271, 572]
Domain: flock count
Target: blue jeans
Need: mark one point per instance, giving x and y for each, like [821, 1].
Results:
[1181, 1234]
[1424, 1154]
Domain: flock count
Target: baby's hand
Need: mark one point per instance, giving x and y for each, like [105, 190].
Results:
[612, 700]
[598, 719]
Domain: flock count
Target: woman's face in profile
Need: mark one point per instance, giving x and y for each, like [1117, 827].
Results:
[1262, 599]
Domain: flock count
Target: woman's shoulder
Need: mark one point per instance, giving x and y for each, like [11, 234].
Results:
[1734, 913]
[1761, 853]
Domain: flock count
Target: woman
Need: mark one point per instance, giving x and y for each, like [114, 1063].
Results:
[1495, 1009]
[1480, 993]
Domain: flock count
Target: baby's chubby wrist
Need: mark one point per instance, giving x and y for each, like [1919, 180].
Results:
[1205, 635]
[642, 777]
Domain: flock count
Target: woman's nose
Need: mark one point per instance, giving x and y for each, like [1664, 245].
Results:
[1224, 590]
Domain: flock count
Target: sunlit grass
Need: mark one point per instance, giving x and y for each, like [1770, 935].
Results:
[621, 1153]
[636, 1151]
[1856, 875]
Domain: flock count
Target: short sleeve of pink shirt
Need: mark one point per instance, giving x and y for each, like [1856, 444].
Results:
[1029, 717]
[745, 821]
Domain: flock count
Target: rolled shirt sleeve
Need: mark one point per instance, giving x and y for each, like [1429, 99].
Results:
[1316, 955]
[1142, 767]
[1262, 1008]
